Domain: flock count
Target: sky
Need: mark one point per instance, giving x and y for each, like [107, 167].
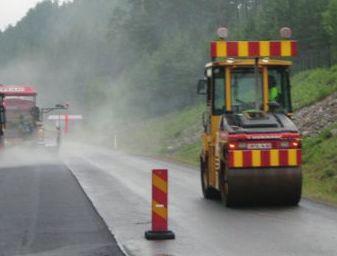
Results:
[11, 11]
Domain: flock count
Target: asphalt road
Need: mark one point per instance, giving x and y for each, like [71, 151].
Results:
[119, 186]
[43, 211]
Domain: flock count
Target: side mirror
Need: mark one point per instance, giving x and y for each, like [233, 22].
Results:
[202, 87]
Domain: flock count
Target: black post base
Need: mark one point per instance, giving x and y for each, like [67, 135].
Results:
[159, 235]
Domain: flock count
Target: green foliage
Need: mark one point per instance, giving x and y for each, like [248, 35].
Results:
[330, 24]
[189, 154]
[166, 135]
[272, 15]
[320, 166]
[311, 86]
[149, 52]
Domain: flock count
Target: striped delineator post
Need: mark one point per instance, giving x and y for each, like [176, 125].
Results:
[159, 207]
[66, 123]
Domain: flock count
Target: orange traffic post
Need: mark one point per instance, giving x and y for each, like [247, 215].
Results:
[159, 207]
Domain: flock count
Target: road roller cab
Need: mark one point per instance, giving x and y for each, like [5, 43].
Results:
[251, 149]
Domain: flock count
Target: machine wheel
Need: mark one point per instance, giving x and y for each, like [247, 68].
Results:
[294, 201]
[207, 191]
[295, 198]
[260, 188]
[224, 187]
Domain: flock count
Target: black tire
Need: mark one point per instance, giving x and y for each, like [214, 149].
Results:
[224, 187]
[233, 193]
[207, 191]
[293, 195]
[295, 199]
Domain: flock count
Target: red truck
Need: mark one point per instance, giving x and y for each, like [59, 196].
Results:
[22, 114]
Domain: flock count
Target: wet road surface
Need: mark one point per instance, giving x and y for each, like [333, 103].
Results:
[43, 211]
[119, 186]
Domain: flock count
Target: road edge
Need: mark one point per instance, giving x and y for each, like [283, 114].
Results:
[120, 246]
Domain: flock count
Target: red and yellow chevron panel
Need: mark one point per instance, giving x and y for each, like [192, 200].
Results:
[253, 49]
[265, 158]
[159, 200]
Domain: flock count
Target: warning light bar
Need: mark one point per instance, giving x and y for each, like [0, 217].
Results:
[17, 90]
[253, 49]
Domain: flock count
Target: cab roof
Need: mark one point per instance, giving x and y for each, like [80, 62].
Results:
[17, 90]
[248, 62]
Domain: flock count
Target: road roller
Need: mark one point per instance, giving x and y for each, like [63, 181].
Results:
[251, 148]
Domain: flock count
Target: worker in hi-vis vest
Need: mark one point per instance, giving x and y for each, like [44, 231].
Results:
[274, 91]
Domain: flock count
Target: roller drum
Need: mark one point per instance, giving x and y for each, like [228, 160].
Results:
[277, 186]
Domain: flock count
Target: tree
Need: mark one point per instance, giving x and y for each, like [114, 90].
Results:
[330, 25]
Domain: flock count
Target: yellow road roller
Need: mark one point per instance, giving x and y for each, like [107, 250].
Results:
[251, 148]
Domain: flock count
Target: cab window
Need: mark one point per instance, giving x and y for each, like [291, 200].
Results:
[218, 91]
[279, 88]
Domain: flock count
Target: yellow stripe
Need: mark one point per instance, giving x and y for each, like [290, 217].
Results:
[286, 48]
[243, 49]
[221, 49]
[265, 89]
[159, 183]
[256, 155]
[292, 157]
[274, 157]
[228, 90]
[265, 48]
[238, 158]
[159, 209]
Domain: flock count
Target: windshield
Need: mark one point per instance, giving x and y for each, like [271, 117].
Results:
[245, 94]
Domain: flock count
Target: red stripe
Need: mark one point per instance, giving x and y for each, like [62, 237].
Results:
[162, 173]
[253, 49]
[299, 157]
[158, 223]
[275, 49]
[293, 48]
[159, 196]
[283, 158]
[247, 158]
[265, 158]
[232, 49]
[213, 50]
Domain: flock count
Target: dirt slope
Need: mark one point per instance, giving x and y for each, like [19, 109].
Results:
[313, 119]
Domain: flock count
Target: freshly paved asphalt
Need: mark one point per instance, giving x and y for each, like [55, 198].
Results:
[44, 212]
[119, 186]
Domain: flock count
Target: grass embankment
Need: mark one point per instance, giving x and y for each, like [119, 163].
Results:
[313, 85]
[176, 136]
[320, 166]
